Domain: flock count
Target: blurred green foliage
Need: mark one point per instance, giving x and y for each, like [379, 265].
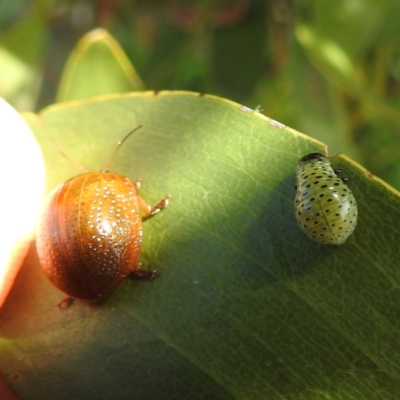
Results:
[330, 70]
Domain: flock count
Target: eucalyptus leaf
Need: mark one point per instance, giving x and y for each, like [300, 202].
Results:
[246, 307]
[97, 66]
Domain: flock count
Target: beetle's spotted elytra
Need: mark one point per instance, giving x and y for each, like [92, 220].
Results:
[326, 209]
[90, 233]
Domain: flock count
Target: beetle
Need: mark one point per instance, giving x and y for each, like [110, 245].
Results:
[90, 232]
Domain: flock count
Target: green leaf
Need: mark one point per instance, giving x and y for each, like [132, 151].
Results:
[355, 29]
[97, 66]
[21, 52]
[319, 106]
[334, 63]
[26, 40]
[247, 307]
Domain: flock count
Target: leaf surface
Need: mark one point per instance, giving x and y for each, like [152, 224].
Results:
[247, 307]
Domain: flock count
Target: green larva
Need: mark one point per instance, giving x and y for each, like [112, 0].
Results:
[326, 209]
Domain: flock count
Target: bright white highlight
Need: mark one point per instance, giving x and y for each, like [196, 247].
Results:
[22, 173]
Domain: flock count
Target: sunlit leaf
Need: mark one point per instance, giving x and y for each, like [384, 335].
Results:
[247, 307]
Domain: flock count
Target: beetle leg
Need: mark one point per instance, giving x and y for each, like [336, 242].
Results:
[143, 205]
[152, 211]
[66, 302]
[141, 273]
[162, 204]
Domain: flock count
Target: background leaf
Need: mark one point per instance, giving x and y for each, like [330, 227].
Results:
[22, 50]
[97, 66]
[246, 305]
[331, 70]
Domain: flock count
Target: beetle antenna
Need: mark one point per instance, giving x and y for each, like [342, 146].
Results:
[119, 144]
[70, 160]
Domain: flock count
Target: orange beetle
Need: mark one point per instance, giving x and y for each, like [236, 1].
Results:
[90, 233]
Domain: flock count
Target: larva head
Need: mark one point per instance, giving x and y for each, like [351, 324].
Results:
[311, 157]
[325, 207]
